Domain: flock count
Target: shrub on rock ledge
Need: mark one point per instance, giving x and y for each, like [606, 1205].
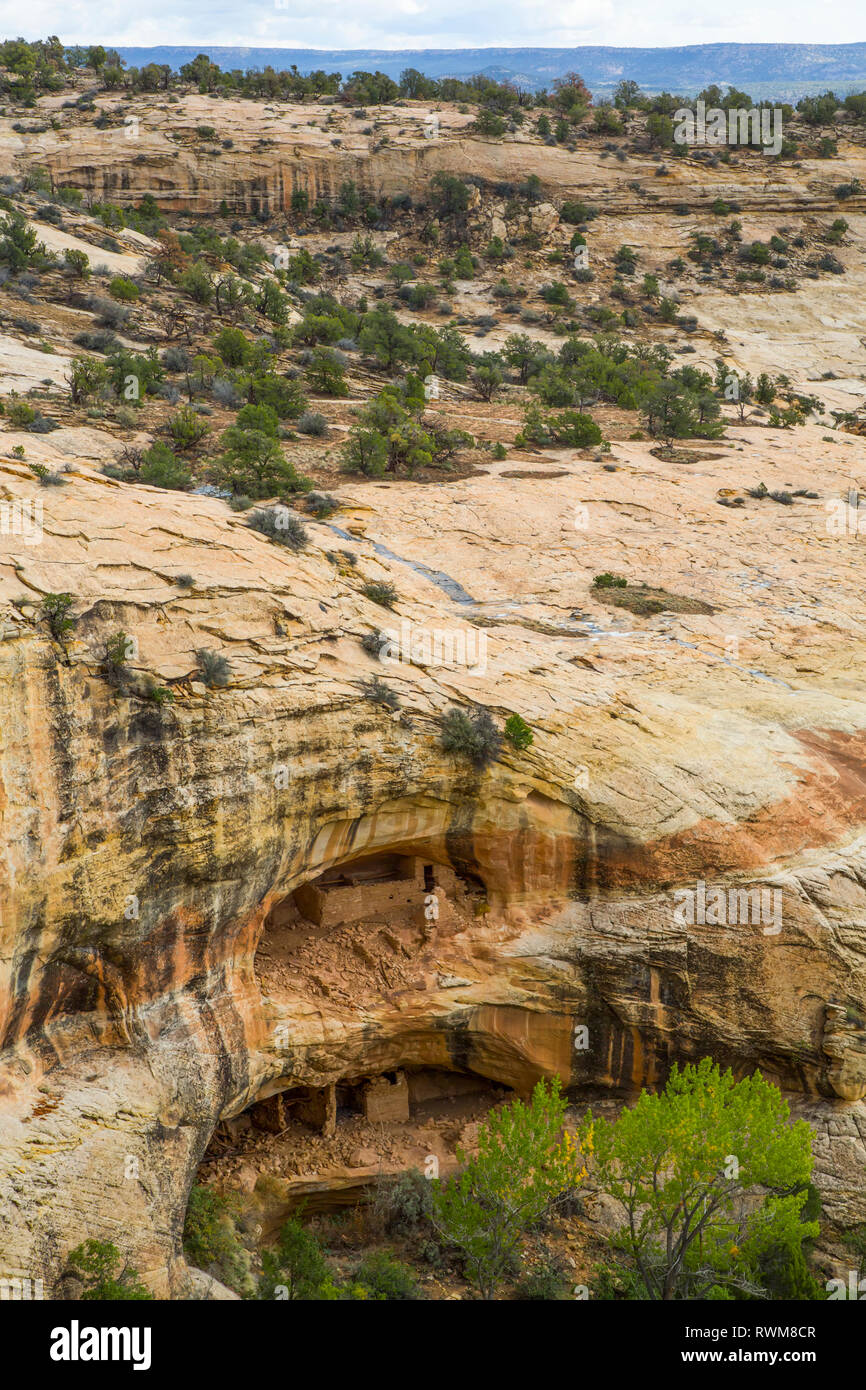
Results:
[280, 525]
[518, 732]
[474, 736]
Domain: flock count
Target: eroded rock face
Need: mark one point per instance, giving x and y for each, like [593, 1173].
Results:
[145, 845]
[260, 153]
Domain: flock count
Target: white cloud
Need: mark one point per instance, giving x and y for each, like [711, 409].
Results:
[443, 24]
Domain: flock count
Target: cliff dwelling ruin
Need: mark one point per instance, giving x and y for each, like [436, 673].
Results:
[362, 928]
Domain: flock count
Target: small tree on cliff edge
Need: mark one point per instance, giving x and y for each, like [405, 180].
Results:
[97, 1264]
[712, 1178]
[525, 1164]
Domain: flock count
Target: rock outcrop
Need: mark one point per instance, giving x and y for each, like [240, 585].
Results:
[146, 844]
[193, 154]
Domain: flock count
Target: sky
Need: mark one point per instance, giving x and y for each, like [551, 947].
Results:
[437, 23]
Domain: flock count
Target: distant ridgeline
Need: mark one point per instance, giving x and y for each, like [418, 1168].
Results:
[767, 70]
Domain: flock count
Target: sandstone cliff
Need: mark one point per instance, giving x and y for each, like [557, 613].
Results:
[145, 845]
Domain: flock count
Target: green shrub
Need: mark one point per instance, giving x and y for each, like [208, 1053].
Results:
[96, 1263]
[197, 283]
[378, 693]
[259, 417]
[322, 505]
[216, 672]
[472, 736]
[387, 1278]
[609, 581]
[253, 465]
[161, 468]
[18, 244]
[295, 1269]
[464, 265]
[556, 294]
[20, 415]
[325, 373]
[284, 397]
[384, 594]
[186, 428]
[115, 655]
[575, 212]
[487, 379]
[518, 732]
[159, 694]
[78, 262]
[144, 367]
[366, 452]
[233, 347]
[123, 289]
[313, 422]
[279, 525]
[210, 1240]
[399, 1205]
[574, 429]
[55, 609]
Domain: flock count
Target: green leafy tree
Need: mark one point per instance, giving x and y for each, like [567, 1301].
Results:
[55, 609]
[78, 262]
[383, 336]
[160, 467]
[296, 1268]
[366, 452]
[86, 377]
[524, 1166]
[210, 1238]
[96, 1263]
[711, 1175]
[449, 195]
[18, 242]
[325, 373]
[253, 465]
[198, 284]
[232, 346]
